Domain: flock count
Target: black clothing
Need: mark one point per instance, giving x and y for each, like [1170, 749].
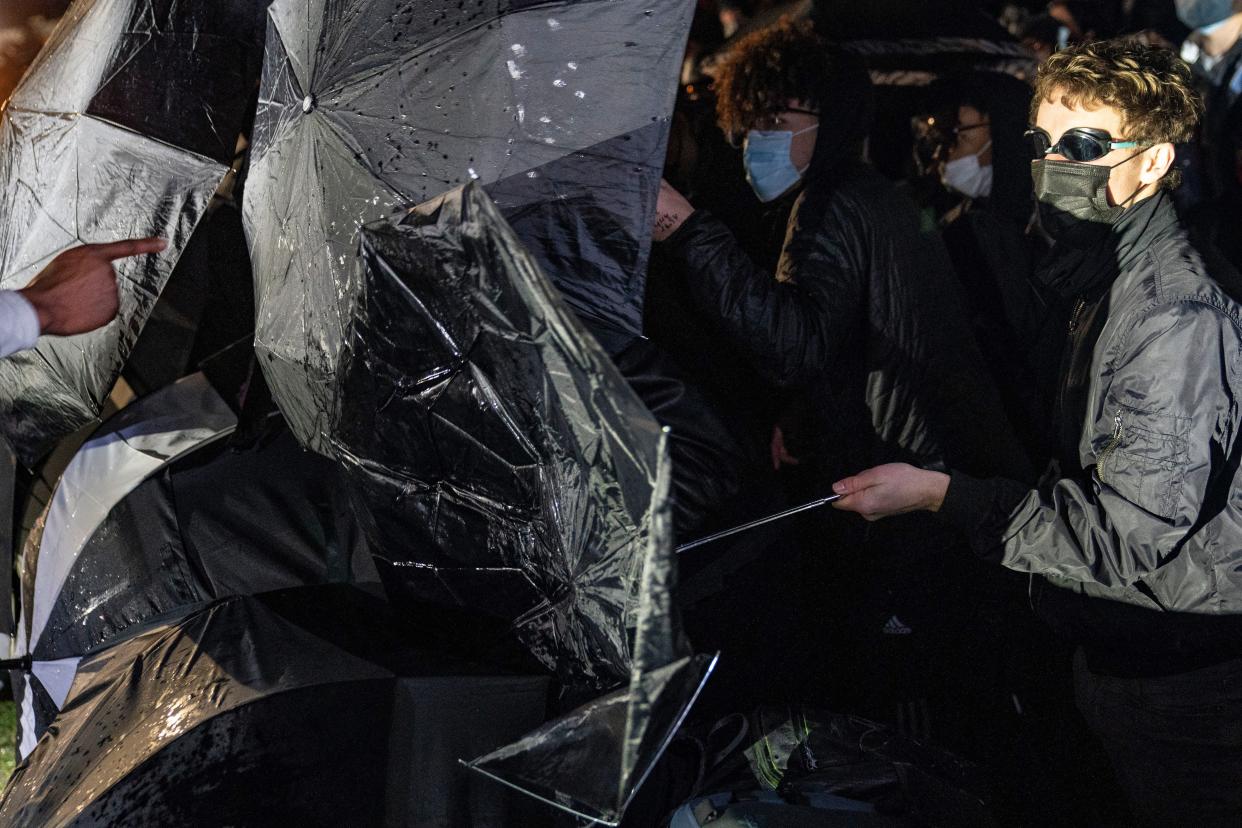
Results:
[1219, 215]
[1140, 541]
[1175, 742]
[1017, 324]
[1142, 535]
[709, 464]
[864, 322]
[865, 318]
[861, 323]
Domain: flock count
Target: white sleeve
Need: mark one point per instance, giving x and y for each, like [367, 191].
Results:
[19, 323]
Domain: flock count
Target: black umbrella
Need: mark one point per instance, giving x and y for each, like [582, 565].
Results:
[123, 127]
[301, 707]
[137, 442]
[506, 468]
[906, 44]
[157, 512]
[909, 44]
[561, 108]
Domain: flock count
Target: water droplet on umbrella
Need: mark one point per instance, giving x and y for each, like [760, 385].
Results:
[514, 71]
[558, 83]
[553, 23]
[580, 94]
[573, 66]
[518, 49]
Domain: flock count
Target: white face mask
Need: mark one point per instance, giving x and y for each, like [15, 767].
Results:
[967, 176]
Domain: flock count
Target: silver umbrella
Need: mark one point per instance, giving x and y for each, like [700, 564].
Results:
[123, 128]
[561, 108]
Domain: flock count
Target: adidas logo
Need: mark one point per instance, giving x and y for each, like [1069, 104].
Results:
[894, 627]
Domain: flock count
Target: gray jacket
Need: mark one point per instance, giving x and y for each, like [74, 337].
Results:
[1155, 517]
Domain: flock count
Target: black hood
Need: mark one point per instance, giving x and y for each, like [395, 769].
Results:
[847, 107]
[1005, 101]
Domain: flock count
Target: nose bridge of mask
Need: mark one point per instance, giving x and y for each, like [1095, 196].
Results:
[775, 136]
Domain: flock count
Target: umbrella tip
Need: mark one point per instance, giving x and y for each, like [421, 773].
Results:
[308, 104]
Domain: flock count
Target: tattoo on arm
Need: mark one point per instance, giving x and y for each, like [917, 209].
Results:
[665, 223]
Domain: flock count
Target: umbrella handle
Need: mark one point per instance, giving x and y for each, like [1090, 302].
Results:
[805, 507]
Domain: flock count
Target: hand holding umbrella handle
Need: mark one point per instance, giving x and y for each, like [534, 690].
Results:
[76, 292]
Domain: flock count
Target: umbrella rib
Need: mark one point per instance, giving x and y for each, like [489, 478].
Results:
[121, 128]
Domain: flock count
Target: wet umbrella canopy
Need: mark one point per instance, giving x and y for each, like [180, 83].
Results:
[157, 512]
[504, 463]
[301, 707]
[122, 128]
[561, 108]
[130, 446]
[505, 467]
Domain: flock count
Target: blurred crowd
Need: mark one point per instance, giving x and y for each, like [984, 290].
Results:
[800, 155]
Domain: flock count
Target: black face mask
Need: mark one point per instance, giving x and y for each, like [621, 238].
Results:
[1073, 200]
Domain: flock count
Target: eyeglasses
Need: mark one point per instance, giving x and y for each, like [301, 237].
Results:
[771, 122]
[1076, 144]
[937, 138]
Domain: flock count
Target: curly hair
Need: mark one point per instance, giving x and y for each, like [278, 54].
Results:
[766, 69]
[1151, 88]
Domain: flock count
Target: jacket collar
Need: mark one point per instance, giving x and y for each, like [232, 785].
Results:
[1087, 274]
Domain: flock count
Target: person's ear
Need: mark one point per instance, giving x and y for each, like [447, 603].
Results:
[1155, 163]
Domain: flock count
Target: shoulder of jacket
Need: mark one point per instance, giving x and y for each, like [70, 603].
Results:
[864, 198]
[1177, 281]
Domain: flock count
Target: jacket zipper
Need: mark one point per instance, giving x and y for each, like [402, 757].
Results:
[1073, 324]
[1112, 444]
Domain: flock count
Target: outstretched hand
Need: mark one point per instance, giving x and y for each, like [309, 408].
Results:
[76, 292]
[892, 489]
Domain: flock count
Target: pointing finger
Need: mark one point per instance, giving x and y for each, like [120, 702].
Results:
[129, 247]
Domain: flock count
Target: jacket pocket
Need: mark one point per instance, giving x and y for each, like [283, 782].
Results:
[1145, 458]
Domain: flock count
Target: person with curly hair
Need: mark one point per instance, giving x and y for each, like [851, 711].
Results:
[1138, 534]
[863, 322]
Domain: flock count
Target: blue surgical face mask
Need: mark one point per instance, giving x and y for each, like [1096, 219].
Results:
[769, 169]
[1203, 14]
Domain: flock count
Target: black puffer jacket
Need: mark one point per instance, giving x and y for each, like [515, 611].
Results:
[865, 318]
